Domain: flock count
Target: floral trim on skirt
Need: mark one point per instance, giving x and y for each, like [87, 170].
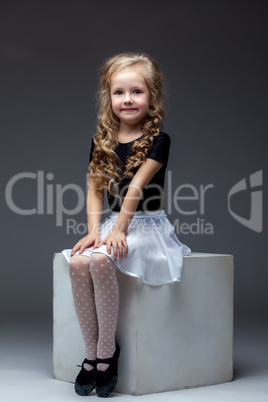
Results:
[155, 253]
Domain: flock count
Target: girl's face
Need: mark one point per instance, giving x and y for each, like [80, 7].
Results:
[130, 97]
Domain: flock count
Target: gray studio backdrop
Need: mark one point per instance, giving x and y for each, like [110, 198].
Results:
[214, 57]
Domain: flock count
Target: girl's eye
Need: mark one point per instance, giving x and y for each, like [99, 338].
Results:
[136, 92]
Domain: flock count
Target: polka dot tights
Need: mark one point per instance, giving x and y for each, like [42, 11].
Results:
[96, 300]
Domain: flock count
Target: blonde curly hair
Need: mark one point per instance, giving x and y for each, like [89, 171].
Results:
[105, 167]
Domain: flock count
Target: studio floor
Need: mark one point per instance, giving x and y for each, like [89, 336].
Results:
[26, 372]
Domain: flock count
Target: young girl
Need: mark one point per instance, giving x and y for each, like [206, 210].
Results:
[128, 158]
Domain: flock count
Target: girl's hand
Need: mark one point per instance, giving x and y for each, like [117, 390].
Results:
[87, 241]
[116, 239]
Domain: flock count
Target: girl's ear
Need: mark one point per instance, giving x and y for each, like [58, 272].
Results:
[152, 102]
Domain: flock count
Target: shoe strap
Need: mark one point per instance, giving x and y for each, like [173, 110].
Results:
[91, 362]
[107, 361]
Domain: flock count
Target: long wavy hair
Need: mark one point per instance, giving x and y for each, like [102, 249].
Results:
[105, 167]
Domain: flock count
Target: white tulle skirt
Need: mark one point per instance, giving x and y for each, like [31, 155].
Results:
[155, 253]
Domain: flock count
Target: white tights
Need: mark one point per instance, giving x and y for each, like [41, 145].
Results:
[96, 300]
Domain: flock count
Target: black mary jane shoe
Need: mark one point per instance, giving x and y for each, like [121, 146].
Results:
[107, 380]
[86, 380]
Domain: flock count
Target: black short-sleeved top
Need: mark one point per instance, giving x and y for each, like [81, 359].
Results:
[152, 198]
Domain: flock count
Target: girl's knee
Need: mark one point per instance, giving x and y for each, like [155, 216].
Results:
[100, 263]
[79, 265]
[99, 258]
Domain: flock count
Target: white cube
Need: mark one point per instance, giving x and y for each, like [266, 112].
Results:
[171, 337]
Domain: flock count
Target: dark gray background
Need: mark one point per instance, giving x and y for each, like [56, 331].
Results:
[214, 57]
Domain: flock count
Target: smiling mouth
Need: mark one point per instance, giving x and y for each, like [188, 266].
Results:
[129, 110]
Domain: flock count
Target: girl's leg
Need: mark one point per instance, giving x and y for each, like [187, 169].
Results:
[103, 273]
[84, 301]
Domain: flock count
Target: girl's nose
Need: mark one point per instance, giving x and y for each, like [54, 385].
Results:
[127, 98]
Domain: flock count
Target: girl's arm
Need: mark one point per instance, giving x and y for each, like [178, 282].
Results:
[94, 208]
[94, 212]
[142, 178]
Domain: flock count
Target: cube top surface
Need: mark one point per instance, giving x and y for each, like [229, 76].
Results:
[195, 254]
